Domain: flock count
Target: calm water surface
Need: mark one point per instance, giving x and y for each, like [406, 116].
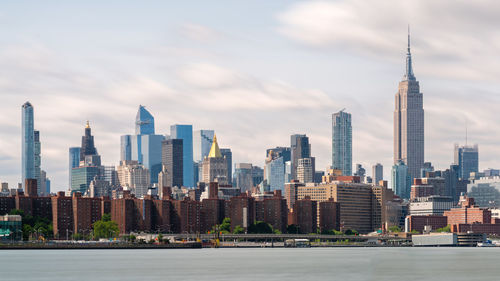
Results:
[253, 264]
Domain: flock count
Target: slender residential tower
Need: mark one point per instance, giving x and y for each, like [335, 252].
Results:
[28, 143]
[409, 121]
[342, 142]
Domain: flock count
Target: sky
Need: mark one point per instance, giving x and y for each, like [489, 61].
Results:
[256, 72]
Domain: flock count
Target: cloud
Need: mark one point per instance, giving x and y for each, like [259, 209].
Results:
[200, 33]
[219, 88]
[451, 39]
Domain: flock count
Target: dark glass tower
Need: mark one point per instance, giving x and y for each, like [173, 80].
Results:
[300, 148]
[88, 147]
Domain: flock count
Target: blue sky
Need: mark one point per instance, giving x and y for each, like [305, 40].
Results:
[254, 71]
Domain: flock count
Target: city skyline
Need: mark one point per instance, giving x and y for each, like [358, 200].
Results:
[237, 99]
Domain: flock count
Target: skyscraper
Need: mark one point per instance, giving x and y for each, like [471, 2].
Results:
[28, 143]
[74, 160]
[144, 146]
[88, 147]
[185, 132]
[214, 166]
[342, 142]
[304, 171]
[40, 181]
[401, 181]
[243, 176]
[144, 122]
[257, 175]
[126, 148]
[467, 159]
[378, 173]
[226, 152]
[274, 171]
[134, 177]
[300, 148]
[90, 164]
[172, 161]
[202, 142]
[409, 121]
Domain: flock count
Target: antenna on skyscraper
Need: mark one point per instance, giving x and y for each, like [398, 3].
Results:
[408, 38]
[465, 131]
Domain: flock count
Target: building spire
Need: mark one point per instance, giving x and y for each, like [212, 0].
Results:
[88, 124]
[409, 69]
[214, 150]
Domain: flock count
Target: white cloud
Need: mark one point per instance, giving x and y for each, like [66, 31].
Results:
[451, 39]
[200, 33]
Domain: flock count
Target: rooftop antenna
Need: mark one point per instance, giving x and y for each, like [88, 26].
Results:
[466, 131]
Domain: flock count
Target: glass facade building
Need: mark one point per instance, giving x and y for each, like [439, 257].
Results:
[82, 176]
[467, 159]
[144, 146]
[74, 160]
[202, 142]
[342, 142]
[144, 122]
[243, 176]
[185, 132]
[28, 143]
[401, 181]
[226, 152]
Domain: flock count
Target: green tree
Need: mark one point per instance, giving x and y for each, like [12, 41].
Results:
[332, 232]
[226, 225]
[351, 232]
[106, 217]
[16, 212]
[444, 229]
[292, 229]
[34, 225]
[394, 228]
[260, 227]
[105, 229]
[238, 230]
[132, 238]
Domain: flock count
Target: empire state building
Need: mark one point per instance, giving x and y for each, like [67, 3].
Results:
[409, 122]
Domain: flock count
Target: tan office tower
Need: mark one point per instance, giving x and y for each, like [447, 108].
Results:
[409, 121]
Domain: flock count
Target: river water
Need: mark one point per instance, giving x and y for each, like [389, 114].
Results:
[288, 264]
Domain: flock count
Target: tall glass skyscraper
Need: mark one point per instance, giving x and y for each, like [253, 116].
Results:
[401, 181]
[342, 142]
[467, 159]
[28, 143]
[144, 122]
[144, 146]
[202, 142]
[74, 160]
[185, 132]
